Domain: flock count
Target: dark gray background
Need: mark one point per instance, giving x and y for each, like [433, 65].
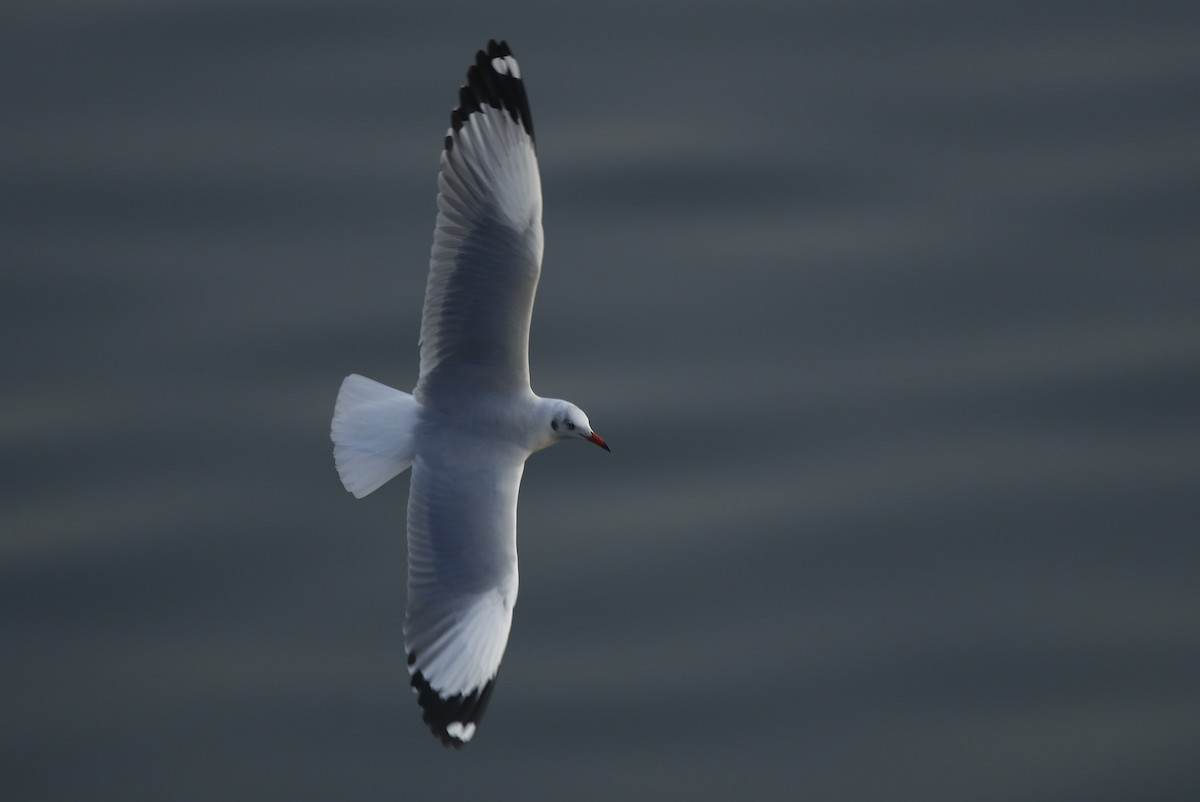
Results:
[890, 311]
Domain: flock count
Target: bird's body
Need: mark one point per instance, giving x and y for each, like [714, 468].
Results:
[472, 420]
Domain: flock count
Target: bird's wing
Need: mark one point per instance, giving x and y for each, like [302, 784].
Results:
[462, 585]
[487, 245]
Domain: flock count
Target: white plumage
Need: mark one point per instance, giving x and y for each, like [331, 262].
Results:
[472, 420]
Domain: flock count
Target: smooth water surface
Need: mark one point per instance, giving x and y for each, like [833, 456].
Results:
[890, 312]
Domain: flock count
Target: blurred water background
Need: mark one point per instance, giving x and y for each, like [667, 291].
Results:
[890, 312]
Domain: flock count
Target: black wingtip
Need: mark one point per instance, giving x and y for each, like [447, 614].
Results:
[493, 80]
[452, 720]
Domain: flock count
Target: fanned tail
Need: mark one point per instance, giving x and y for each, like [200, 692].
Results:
[373, 430]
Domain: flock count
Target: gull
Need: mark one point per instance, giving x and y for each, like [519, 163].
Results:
[472, 420]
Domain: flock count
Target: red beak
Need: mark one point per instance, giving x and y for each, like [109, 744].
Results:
[598, 440]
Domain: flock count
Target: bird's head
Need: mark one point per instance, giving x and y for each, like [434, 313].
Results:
[568, 421]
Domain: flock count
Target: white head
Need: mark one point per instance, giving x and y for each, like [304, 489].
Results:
[568, 422]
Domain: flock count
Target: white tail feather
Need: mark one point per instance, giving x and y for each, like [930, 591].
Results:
[373, 429]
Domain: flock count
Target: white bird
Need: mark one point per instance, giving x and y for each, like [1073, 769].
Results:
[472, 420]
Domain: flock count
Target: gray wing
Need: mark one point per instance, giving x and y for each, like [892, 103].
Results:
[487, 245]
[462, 585]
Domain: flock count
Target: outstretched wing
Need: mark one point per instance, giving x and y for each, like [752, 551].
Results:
[487, 245]
[462, 585]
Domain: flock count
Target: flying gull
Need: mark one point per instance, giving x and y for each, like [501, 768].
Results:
[472, 420]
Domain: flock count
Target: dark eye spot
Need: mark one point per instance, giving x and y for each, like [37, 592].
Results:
[571, 425]
[554, 425]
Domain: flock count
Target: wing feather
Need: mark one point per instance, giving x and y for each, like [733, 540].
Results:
[487, 245]
[462, 586]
